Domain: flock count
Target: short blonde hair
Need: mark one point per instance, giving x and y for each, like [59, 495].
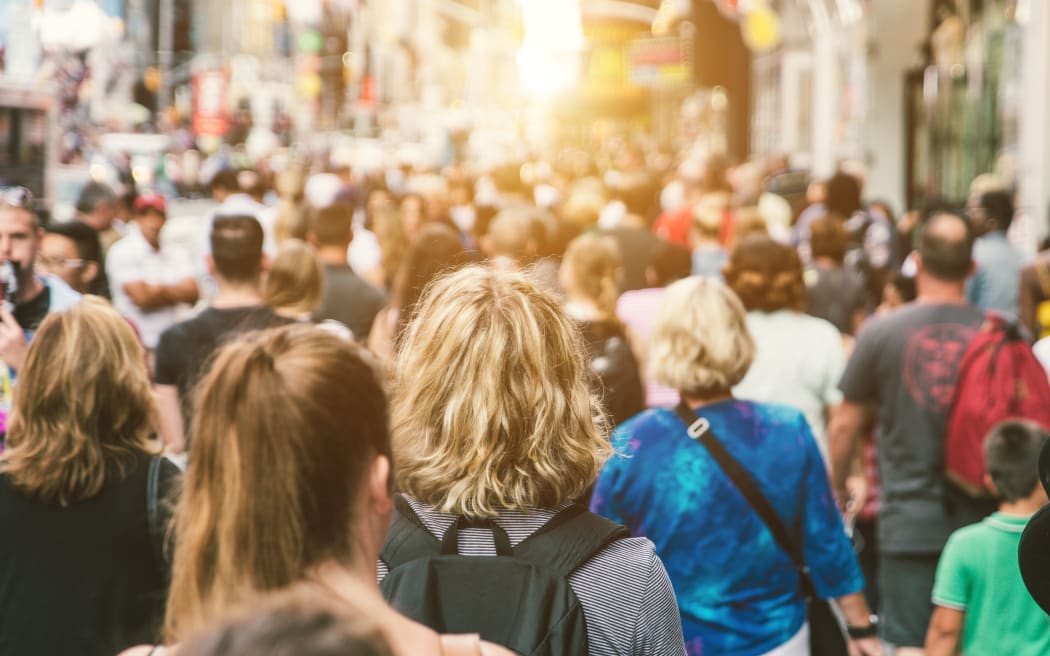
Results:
[294, 282]
[83, 407]
[491, 406]
[700, 344]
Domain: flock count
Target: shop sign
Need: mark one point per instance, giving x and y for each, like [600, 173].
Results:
[209, 103]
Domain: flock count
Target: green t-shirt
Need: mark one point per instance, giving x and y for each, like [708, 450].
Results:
[978, 574]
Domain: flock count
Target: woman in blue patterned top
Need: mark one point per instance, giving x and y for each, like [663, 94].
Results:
[738, 591]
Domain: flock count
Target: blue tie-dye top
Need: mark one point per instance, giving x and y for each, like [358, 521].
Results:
[738, 592]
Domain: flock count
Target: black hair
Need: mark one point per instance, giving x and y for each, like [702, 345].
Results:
[1011, 454]
[946, 258]
[998, 208]
[670, 262]
[83, 236]
[237, 247]
[92, 195]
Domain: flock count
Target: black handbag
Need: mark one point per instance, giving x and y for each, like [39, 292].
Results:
[826, 634]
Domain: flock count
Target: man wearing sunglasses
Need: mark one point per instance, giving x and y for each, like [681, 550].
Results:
[32, 296]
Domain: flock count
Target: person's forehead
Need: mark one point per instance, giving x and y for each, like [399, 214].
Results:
[15, 219]
[58, 243]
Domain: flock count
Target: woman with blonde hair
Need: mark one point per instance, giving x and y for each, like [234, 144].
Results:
[590, 277]
[799, 359]
[82, 494]
[665, 483]
[289, 483]
[494, 424]
[293, 287]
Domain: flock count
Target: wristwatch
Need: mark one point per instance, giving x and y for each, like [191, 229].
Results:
[869, 631]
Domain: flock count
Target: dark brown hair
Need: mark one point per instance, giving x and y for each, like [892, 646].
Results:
[332, 225]
[828, 238]
[766, 275]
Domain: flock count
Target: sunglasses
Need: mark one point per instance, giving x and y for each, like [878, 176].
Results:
[17, 197]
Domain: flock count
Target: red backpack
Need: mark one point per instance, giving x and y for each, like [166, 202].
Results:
[999, 379]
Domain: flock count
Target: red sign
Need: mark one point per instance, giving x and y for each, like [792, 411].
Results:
[209, 103]
[730, 8]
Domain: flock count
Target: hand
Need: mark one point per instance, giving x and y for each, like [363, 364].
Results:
[865, 647]
[856, 494]
[13, 344]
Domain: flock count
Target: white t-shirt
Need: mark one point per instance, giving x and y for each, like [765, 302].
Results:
[132, 259]
[799, 361]
[1042, 353]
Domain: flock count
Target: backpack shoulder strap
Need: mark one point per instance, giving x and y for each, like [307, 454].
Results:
[569, 539]
[408, 538]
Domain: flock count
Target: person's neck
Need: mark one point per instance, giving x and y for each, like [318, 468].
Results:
[933, 291]
[1023, 507]
[28, 289]
[825, 262]
[332, 254]
[698, 401]
[232, 296]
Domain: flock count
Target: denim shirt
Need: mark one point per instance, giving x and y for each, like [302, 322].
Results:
[995, 284]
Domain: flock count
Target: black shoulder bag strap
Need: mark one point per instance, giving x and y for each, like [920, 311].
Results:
[700, 430]
[153, 523]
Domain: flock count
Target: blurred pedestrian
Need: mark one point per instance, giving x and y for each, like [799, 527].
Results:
[71, 252]
[82, 497]
[436, 251]
[590, 277]
[906, 363]
[185, 350]
[294, 281]
[996, 279]
[798, 358]
[150, 280]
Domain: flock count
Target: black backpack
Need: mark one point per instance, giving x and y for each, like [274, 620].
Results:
[520, 599]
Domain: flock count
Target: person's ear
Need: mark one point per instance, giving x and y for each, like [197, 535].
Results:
[209, 261]
[988, 483]
[311, 239]
[264, 263]
[89, 273]
[379, 499]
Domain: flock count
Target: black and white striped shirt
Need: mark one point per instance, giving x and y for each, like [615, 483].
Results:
[626, 596]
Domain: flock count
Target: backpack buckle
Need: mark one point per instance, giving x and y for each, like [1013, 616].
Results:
[697, 429]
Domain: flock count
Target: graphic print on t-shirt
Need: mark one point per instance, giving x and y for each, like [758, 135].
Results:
[931, 364]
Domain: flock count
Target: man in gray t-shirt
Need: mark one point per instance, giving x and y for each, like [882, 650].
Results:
[906, 364]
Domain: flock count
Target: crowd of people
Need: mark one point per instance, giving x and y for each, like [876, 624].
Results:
[603, 406]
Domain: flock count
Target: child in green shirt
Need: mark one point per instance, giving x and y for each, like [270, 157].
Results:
[981, 604]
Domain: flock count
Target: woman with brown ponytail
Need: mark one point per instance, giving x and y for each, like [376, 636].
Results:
[590, 277]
